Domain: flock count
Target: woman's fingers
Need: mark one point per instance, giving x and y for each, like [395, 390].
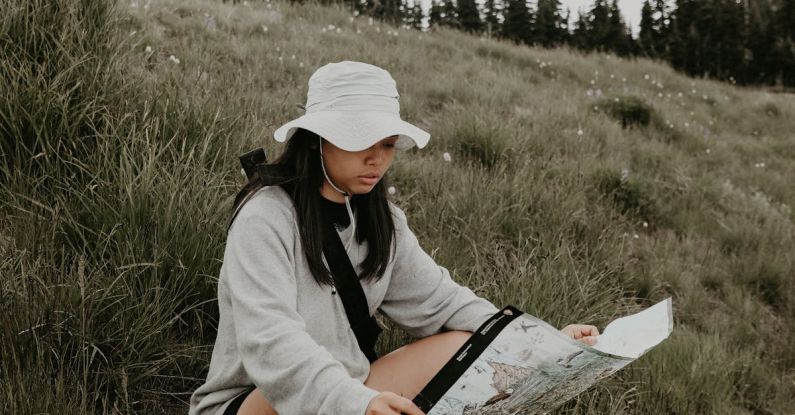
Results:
[389, 403]
[405, 406]
[586, 333]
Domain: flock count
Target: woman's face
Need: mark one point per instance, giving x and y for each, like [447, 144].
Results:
[356, 172]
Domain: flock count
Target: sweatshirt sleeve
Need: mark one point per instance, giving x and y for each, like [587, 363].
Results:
[296, 375]
[422, 298]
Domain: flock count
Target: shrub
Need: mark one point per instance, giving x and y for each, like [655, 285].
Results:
[631, 111]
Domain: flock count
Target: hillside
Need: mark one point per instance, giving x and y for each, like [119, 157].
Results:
[579, 188]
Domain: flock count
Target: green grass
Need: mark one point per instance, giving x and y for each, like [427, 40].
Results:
[119, 166]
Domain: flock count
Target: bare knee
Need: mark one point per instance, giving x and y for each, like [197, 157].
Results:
[256, 404]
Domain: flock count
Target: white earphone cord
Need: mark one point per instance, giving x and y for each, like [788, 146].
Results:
[345, 194]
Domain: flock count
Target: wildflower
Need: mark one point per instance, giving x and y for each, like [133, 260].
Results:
[580, 132]
[708, 151]
[616, 99]
[265, 30]
[623, 79]
[395, 33]
[370, 21]
[323, 30]
[693, 91]
[339, 30]
[593, 82]
[355, 12]
[173, 58]
[635, 236]
[148, 49]
[391, 190]
[659, 94]
[331, 27]
[300, 64]
[612, 76]
[446, 157]
[624, 175]
[687, 124]
[598, 92]
[646, 76]
[292, 57]
[358, 31]
[134, 5]
[350, 19]
[645, 224]
[679, 95]
[281, 59]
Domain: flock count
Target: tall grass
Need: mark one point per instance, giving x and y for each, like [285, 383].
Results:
[119, 131]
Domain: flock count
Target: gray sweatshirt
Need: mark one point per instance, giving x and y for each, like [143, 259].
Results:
[281, 331]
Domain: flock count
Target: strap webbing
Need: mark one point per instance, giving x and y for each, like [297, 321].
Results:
[347, 284]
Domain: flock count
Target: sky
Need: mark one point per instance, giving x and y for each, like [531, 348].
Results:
[630, 9]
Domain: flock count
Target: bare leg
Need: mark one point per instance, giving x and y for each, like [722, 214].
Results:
[404, 371]
[408, 369]
[256, 404]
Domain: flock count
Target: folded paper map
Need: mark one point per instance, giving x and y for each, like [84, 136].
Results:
[518, 364]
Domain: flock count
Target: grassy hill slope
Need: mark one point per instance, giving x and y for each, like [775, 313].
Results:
[579, 188]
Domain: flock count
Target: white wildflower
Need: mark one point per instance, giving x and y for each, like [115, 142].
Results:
[612, 76]
[265, 29]
[708, 151]
[446, 156]
[358, 31]
[355, 12]
[623, 79]
[624, 175]
[636, 236]
[331, 27]
[350, 19]
[645, 224]
[300, 64]
[173, 58]
[323, 30]
[339, 30]
[580, 132]
[148, 49]
[292, 57]
[391, 190]
[646, 76]
[593, 82]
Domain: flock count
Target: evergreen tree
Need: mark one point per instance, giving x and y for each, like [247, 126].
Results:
[450, 15]
[617, 36]
[548, 27]
[435, 14]
[491, 21]
[517, 25]
[661, 22]
[580, 37]
[469, 16]
[646, 34]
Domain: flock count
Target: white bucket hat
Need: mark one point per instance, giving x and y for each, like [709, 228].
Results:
[354, 105]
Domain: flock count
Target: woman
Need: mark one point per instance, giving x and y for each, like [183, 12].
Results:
[284, 340]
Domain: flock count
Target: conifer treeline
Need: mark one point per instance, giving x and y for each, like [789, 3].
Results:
[745, 41]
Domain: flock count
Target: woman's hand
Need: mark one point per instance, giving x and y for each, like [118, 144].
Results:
[388, 403]
[584, 333]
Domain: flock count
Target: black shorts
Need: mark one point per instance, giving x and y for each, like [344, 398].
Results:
[236, 403]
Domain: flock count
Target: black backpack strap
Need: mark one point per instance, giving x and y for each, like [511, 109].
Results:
[347, 284]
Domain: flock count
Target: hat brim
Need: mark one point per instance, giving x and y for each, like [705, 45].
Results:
[355, 131]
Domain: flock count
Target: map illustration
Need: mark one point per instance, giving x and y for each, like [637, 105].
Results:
[531, 367]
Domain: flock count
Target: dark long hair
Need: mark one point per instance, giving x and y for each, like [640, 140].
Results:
[297, 170]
